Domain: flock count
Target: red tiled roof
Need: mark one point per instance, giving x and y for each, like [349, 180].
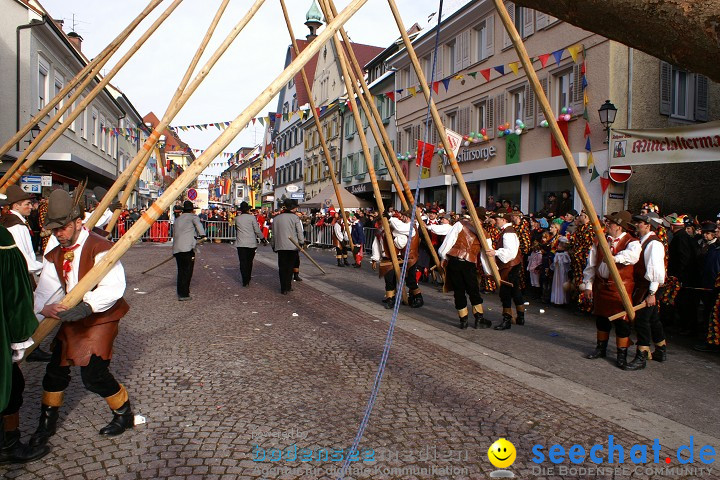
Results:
[364, 54]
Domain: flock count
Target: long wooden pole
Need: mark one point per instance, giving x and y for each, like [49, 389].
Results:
[102, 267]
[314, 112]
[181, 88]
[57, 133]
[103, 56]
[306, 254]
[172, 110]
[368, 158]
[443, 137]
[382, 139]
[567, 155]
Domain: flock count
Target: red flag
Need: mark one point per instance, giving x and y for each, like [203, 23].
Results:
[604, 183]
[543, 59]
[554, 148]
[436, 85]
[587, 128]
[425, 153]
[486, 73]
[390, 95]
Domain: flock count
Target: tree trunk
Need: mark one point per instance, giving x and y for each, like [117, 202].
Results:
[685, 33]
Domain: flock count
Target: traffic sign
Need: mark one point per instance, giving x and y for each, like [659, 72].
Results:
[620, 173]
[31, 183]
[192, 194]
[298, 196]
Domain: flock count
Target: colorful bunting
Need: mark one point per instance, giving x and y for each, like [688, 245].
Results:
[544, 59]
[558, 55]
[514, 67]
[486, 73]
[446, 83]
[574, 50]
[500, 69]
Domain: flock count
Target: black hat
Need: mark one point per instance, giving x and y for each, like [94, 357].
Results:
[573, 212]
[188, 206]
[63, 209]
[16, 194]
[709, 227]
[503, 215]
[623, 219]
[289, 204]
[99, 193]
[244, 207]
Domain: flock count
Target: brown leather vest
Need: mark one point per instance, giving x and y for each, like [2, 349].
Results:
[9, 219]
[93, 246]
[626, 271]
[386, 264]
[503, 267]
[607, 301]
[467, 246]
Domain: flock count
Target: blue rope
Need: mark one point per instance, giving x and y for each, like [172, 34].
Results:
[400, 283]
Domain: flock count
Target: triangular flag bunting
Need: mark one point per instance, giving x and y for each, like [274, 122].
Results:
[473, 75]
[574, 50]
[585, 98]
[587, 128]
[262, 122]
[446, 83]
[558, 55]
[514, 67]
[604, 183]
[543, 59]
[390, 95]
[500, 69]
[585, 114]
[486, 73]
[584, 82]
[412, 91]
[587, 144]
[436, 85]
[253, 120]
[595, 173]
[590, 159]
[399, 91]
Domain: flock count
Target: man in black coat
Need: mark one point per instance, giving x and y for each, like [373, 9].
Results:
[683, 264]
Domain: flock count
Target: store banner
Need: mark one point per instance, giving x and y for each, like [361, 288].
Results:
[512, 149]
[554, 148]
[690, 143]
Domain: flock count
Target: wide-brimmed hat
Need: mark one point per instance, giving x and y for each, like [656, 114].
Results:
[651, 218]
[503, 215]
[709, 227]
[623, 219]
[99, 193]
[188, 206]
[16, 194]
[63, 209]
[481, 213]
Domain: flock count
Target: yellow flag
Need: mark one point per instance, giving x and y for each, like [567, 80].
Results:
[574, 50]
[413, 91]
[585, 98]
[590, 159]
[514, 67]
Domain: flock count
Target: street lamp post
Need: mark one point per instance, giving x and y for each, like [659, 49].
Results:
[607, 114]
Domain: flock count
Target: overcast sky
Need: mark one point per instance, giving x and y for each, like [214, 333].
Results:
[250, 64]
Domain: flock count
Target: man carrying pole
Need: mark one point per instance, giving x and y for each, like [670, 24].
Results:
[287, 234]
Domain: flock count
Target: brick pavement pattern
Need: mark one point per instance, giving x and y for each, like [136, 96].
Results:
[240, 367]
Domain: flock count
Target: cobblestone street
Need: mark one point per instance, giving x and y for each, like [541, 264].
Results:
[237, 372]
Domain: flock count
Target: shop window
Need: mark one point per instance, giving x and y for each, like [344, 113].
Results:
[505, 189]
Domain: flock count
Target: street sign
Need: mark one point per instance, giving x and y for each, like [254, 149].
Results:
[620, 173]
[31, 183]
[298, 196]
[292, 188]
[46, 181]
[192, 194]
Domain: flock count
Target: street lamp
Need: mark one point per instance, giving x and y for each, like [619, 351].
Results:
[607, 114]
[34, 132]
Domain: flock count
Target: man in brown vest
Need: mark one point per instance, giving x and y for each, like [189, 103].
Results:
[400, 226]
[460, 252]
[649, 275]
[509, 261]
[87, 332]
[602, 290]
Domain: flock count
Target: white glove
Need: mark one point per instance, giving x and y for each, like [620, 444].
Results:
[19, 349]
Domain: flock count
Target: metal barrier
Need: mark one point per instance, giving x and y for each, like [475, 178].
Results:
[223, 231]
[161, 231]
[322, 237]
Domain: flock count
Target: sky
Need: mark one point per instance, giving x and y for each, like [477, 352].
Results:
[256, 57]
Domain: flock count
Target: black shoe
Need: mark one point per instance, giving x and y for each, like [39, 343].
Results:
[46, 427]
[340, 264]
[660, 353]
[621, 361]
[599, 352]
[463, 322]
[481, 321]
[416, 300]
[245, 284]
[389, 303]
[702, 347]
[345, 262]
[296, 277]
[505, 324]
[520, 319]
[639, 362]
[12, 450]
[123, 419]
[39, 355]
[357, 265]
[285, 292]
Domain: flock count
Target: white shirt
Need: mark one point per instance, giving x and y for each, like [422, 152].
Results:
[102, 221]
[451, 235]
[21, 234]
[654, 255]
[629, 256]
[340, 232]
[511, 245]
[108, 291]
[400, 231]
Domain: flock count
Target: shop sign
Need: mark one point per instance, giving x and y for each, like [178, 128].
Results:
[484, 154]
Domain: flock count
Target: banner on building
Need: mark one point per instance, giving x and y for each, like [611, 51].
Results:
[690, 143]
[454, 140]
[512, 149]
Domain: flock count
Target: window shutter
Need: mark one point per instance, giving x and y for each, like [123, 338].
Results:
[529, 107]
[701, 98]
[465, 49]
[510, 6]
[541, 20]
[500, 109]
[468, 120]
[439, 64]
[545, 88]
[528, 22]
[399, 137]
[490, 118]
[577, 99]
[665, 88]
[458, 54]
[489, 37]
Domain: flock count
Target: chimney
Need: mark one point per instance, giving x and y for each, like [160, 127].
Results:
[76, 40]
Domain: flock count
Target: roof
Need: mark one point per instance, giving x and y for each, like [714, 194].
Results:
[364, 54]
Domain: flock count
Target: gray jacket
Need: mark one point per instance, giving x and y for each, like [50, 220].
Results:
[187, 226]
[247, 231]
[283, 226]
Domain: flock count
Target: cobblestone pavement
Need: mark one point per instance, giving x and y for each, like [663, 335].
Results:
[229, 379]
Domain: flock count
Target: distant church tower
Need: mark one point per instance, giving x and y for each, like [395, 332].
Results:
[314, 20]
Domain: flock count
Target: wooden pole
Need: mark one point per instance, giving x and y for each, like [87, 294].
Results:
[443, 137]
[307, 254]
[368, 158]
[172, 110]
[622, 314]
[102, 267]
[314, 113]
[567, 155]
[181, 88]
[57, 133]
[383, 140]
[105, 55]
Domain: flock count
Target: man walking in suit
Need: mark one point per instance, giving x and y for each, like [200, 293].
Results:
[287, 226]
[247, 234]
[186, 232]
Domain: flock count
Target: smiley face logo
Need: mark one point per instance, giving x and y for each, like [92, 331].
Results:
[502, 453]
